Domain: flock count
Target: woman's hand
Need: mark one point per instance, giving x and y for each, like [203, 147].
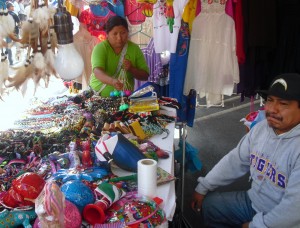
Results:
[117, 84]
[126, 64]
[138, 74]
[197, 200]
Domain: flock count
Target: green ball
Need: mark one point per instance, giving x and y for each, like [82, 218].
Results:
[116, 93]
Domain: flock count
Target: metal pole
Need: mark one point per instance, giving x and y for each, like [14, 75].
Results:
[183, 128]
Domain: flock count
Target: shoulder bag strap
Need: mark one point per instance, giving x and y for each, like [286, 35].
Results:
[123, 53]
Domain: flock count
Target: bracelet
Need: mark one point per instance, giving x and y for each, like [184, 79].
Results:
[113, 82]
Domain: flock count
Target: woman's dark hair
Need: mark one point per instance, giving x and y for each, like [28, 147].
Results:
[115, 21]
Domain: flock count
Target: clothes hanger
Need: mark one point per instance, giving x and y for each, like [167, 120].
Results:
[140, 31]
[222, 2]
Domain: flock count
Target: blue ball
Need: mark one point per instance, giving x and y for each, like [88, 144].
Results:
[78, 193]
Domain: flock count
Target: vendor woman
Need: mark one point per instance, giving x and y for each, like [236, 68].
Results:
[116, 62]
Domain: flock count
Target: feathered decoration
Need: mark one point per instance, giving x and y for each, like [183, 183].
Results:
[23, 73]
[4, 65]
[53, 40]
[8, 23]
[21, 76]
[2, 30]
[24, 86]
[30, 30]
[49, 59]
[41, 16]
[39, 65]
[3, 72]
[38, 59]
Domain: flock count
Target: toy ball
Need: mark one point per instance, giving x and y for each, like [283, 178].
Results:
[112, 94]
[78, 193]
[116, 93]
[27, 186]
[122, 93]
[127, 93]
[72, 217]
[123, 107]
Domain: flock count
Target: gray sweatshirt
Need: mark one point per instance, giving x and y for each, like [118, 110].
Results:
[274, 163]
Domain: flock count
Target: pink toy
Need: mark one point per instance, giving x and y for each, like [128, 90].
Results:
[72, 217]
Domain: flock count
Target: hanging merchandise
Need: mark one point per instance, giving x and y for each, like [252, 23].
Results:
[133, 12]
[147, 7]
[170, 14]
[166, 26]
[210, 27]
[95, 18]
[155, 64]
[3, 72]
[40, 42]
[116, 6]
[178, 64]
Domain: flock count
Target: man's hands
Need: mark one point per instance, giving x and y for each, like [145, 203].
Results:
[245, 225]
[197, 200]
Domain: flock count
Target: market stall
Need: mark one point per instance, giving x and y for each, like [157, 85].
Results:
[51, 159]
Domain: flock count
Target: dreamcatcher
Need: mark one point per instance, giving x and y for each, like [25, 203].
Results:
[39, 42]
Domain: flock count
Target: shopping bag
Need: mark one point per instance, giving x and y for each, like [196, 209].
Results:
[192, 162]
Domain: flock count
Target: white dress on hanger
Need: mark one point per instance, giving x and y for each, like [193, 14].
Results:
[164, 40]
[212, 68]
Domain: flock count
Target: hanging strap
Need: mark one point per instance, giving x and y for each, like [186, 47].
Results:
[118, 67]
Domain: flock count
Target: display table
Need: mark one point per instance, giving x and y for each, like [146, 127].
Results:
[167, 191]
[51, 149]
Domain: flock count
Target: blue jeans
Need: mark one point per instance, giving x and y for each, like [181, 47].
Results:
[9, 53]
[227, 209]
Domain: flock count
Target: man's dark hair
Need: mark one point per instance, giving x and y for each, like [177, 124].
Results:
[115, 21]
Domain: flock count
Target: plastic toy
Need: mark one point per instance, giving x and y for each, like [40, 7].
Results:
[89, 174]
[72, 217]
[15, 218]
[23, 191]
[78, 193]
[86, 158]
[120, 150]
[95, 213]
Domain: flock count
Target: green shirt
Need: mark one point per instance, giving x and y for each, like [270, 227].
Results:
[104, 57]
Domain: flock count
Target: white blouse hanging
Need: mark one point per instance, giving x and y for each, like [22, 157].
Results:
[212, 63]
[164, 40]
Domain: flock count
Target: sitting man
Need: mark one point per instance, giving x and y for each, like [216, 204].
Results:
[271, 152]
